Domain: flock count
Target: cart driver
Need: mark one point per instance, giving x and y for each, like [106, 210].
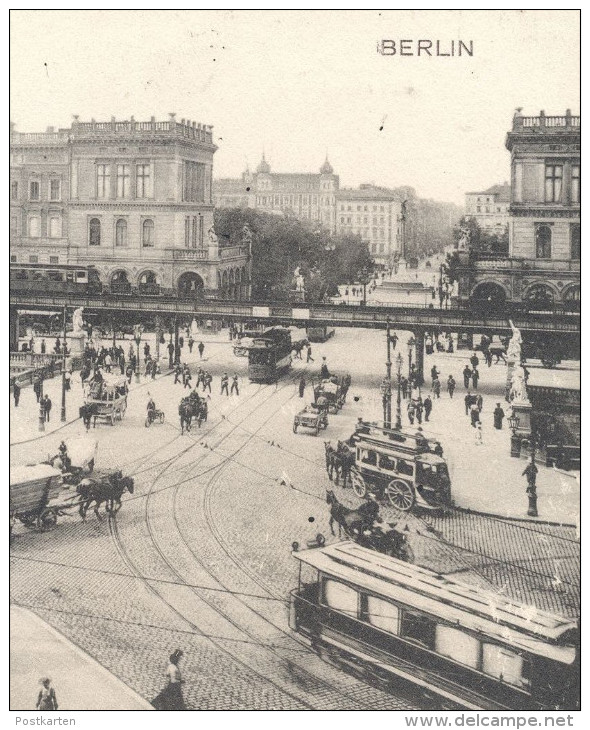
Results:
[322, 404]
[63, 455]
[151, 408]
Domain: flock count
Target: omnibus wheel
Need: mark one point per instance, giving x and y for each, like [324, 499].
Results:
[358, 485]
[400, 495]
[47, 519]
[294, 428]
[162, 417]
[147, 422]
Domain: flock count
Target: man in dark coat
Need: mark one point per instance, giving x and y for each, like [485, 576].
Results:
[474, 360]
[301, 386]
[47, 407]
[170, 355]
[16, 393]
[466, 376]
[475, 377]
[224, 384]
[451, 385]
[427, 408]
[234, 385]
[498, 416]
[38, 388]
[469, 399]
[201, 349]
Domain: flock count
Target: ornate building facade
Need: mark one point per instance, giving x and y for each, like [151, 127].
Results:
[543, 263]
[490, 208]
[131, 199]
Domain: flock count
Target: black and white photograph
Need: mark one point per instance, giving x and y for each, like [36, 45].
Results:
[294, 343]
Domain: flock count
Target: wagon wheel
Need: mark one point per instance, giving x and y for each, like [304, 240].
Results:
[358, 484]
[47, 519]
[294, 428]
[162, 417]
[317, 429]
[400, 495]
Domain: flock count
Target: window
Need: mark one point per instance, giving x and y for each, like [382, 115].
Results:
[13, 225]
[121, 233]
[341, 597]
[201, 231]
[103, 181]
[13, 259]
[54, 259]
[147, 233]
[34, 226]
[54, 226]
[505, 665]
[404, 467]
[123, 178]
[187, 232]
[193, 189]
[419, 628]
[457, 645]
[34, 188]
[553, 177]
[94, 232]
[369, 457]
[386, 462]
[55, 189]
[381, 613]
[575, 243]
[14, 190]
[575, 183]
[33, 259]
[194, 232]
[143, 181]
[543, 242]
[479, 208]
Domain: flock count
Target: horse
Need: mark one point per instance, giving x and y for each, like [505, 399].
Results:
[88, 411]
[351, 520]
[339, 462]
[107, 487]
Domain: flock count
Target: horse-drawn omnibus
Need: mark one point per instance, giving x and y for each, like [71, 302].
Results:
[401, 465]
[269, 355]
[106, 399]
[394, 623]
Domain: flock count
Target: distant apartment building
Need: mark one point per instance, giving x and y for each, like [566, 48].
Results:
[372, 213]
[131, 199]
[490, 208]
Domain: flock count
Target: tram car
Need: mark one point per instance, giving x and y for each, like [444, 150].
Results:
[269, 355]
[44, 279]
[399, 624]
[402, 466]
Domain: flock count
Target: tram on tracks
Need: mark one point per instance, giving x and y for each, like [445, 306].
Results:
[393, 622]
[269, 355]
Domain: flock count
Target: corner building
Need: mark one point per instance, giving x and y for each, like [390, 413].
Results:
[135, 203]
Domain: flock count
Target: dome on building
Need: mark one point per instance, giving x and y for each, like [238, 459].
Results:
[326, 168]
[263, 167]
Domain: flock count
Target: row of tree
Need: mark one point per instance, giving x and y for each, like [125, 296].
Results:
[282, 244]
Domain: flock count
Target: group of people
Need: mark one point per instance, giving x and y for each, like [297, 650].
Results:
[183, 375]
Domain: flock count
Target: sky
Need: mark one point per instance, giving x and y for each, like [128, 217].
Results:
[303, 84]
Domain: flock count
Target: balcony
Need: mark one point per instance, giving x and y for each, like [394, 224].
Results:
[188, 254]
[232, 252]
[491, 261]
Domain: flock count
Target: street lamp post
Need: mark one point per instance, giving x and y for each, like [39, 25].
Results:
[137, 332]
[531, 472]
[63, 371]
[513, 423]
[398, 409]
[411, 343]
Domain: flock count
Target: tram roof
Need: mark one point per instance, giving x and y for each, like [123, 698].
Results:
[524, 627]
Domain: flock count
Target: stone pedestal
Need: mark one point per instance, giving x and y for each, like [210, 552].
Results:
[509, 373]
[76, 342]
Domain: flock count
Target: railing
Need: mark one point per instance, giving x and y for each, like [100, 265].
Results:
[232, 252]
[544, 122]
[189, 254]
[199, 132]
[526, 264]
[33, 359]
[39, 138]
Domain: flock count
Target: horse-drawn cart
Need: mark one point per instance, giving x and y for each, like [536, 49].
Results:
[311, 417]
[333, 390]
[34, 492]
[107, 399]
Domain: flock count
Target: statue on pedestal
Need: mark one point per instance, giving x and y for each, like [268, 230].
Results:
[515, 345]
[464, 240]
[78, 321]
[518, 392]
[299, 280]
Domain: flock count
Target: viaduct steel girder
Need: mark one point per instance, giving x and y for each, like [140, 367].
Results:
[405, 318]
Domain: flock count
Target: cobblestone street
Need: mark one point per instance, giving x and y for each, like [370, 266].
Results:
[199, 557]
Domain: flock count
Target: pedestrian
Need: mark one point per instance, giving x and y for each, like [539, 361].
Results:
[451, 384]
[46, 700]
[43, 347]
[16, 393]
[107, 363]
[234, 385]
[207, 382]
[474, 360]
[466, 376]
[498, 416]
[488, 356]
[38, 388]
[129, 372]
[419, 409]
[181, 342]
[122, 362]
[301, 386]
[468, 402]
[436, 387]
[427, 408]
[170, 355]
[170, 698]
[201, 349]
[146, 352]
[404, 386]
[324, 372]
[68, 379]
[394, 339]
[474, 413]
[309, 357]
[451, 347]
[177, 352]
[47, 407]
[531, 476]
[478, 434]
[224, 384]
[411, 412]
[200, 377]
[191, 344]
[479, 402]
[475, 377]
[57, 347]
[177, 374]
[186, 376]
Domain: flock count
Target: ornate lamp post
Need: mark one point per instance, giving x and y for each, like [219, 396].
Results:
[386, 399]
[513, 423]
[63, 371]
[398, 409]
[531, 475]
[137, 333]
[411, 345]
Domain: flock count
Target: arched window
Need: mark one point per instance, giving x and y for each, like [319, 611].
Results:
[94, 232]
[543, 242]
[575, 246]
[121, 233]
[147, 234]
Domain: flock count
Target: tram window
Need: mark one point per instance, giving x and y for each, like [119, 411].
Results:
[418, 627]
[386, 462]
[369, 457]
[506, 665]
[457, 645]
[70, 276]
[381, 613]
[19, 274]
[55, 276]
[341, 597]
[404, 467]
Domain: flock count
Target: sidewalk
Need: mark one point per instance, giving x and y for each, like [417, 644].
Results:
[38, 650]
